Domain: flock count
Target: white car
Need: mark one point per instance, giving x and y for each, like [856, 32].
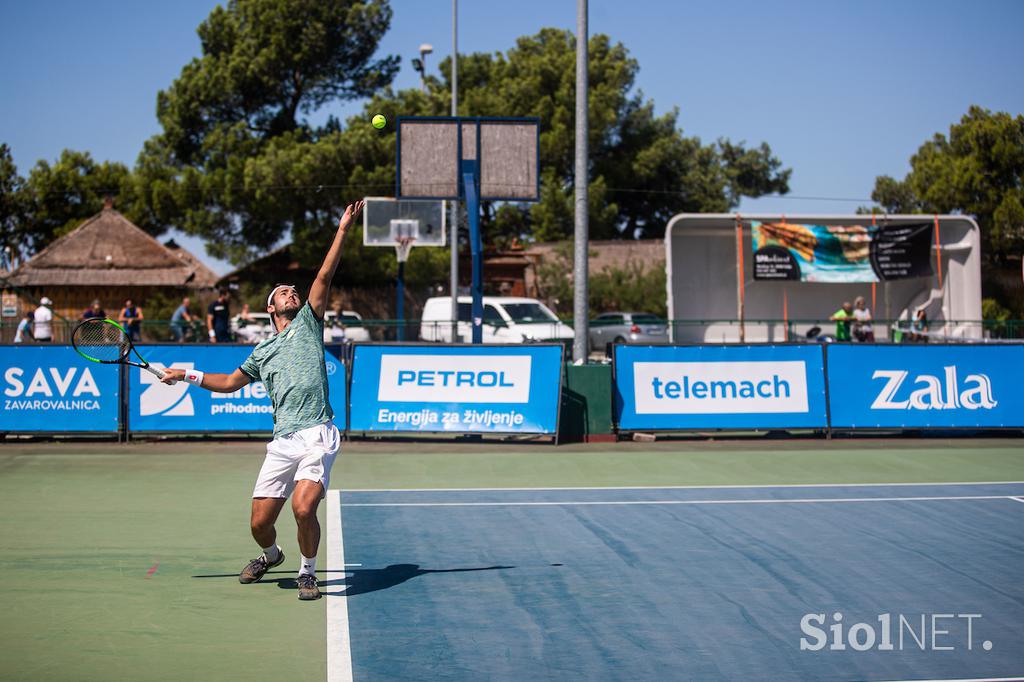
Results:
[346, 328]
[506, 320]
[257, 328]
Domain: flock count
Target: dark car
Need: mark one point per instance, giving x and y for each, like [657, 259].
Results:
[627, 328]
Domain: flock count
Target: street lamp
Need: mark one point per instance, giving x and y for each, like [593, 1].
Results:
[421, 63]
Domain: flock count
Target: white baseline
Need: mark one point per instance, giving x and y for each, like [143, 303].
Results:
[339, 648]
[627, 503]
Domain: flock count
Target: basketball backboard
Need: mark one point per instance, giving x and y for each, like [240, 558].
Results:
[431, 152]
[386, 220]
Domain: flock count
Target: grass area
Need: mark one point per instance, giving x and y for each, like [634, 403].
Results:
[82, 526]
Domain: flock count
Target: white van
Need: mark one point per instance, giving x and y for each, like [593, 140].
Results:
[506, 320]
[345, 328]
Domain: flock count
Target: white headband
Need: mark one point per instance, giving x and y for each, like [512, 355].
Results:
[274, 291]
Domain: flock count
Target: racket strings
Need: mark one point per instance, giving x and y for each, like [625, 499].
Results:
[101, 340]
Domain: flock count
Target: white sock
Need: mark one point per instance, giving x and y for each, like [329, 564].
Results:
[308, 566]
[273, 553]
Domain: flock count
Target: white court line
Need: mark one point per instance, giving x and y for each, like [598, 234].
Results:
[1018, 499]
[681, 487]
[972, 679]
[339, 648]
[626, 503]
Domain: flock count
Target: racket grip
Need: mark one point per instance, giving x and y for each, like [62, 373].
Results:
[159, 373]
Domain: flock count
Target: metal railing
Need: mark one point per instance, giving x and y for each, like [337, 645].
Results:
[882, 331]
[681, 331]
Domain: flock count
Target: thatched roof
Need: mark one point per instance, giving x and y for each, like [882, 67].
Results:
[205, 277]
[276, 266]
[108, 250]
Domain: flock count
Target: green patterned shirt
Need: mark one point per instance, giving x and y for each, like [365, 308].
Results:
[291, 365]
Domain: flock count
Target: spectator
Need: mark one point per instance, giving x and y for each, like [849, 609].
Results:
[179, 319]
[218, 319]
[131, 317]
[43, 318]
[24, 328]
[919, 328]
[862, 330]
[245, 315]
[842, 319]
[94, 311]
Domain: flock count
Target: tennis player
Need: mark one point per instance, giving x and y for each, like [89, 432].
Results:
[291, 365]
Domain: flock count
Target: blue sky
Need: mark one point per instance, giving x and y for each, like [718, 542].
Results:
[842, 91]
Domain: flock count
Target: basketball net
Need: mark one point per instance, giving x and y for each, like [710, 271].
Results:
[403, 245]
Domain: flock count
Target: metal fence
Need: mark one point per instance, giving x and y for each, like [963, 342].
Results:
[882, 331]
[682, 331]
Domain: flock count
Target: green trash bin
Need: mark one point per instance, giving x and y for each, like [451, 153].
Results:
[586, 404]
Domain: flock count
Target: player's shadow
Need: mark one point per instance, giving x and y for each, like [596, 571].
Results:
[363, 580]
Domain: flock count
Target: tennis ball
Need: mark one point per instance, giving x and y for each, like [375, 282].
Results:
[379, 121]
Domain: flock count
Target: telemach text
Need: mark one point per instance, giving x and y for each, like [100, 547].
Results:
[777, 387]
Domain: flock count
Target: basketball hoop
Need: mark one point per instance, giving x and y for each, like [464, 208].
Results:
[403, 245]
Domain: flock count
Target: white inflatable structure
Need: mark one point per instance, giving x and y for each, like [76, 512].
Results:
[708, 301]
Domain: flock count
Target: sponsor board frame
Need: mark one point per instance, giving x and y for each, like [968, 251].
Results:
[346, 354]
[712, 422]
[72, 381]
[831, 397]
[893, 382]
[130, 388]
[469, 348]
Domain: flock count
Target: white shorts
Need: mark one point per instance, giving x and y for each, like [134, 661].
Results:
[305, 455]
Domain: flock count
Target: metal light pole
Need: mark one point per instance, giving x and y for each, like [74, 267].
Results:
[454, 231]
[581, 309]
[421, 64]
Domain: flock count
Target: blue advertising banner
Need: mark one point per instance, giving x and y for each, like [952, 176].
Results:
[54, 389]
[720, 387]
[182, 408]
[926, 386]
[460, 389]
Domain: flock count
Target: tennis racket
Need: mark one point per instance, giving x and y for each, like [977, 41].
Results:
[107, 342]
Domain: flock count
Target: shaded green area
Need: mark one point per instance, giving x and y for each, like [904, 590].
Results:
[81, 524]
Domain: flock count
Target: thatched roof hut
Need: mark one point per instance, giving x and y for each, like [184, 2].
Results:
[110, 259]
[108, 250]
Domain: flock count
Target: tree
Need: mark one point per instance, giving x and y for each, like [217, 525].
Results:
[74, 188]
[14, 243]
[978, 169]
[643, 169]
[236, 165]
[632, 286]
[239, 162]
[57, 197]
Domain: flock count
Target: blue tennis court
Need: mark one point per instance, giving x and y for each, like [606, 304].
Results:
[881, 582]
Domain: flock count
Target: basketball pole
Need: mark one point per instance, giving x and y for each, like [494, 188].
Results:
[581, 309]
[400, 308]
[454, 231]
[471, 188]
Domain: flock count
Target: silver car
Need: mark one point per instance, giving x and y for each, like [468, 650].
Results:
[627, 328]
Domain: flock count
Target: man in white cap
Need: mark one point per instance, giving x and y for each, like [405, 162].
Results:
[298, 463]
[43, 318]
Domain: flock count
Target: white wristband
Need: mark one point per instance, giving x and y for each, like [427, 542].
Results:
[194, 377]
[213, 334]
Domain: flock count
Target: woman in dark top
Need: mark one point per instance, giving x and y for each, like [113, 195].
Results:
[131, 317]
